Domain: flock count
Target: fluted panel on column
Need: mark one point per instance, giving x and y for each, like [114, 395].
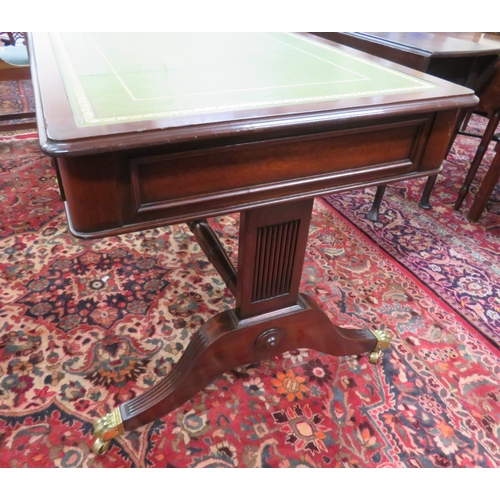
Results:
[275, 254]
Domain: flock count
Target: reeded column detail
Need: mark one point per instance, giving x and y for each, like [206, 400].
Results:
[272, 246]
[274, 257]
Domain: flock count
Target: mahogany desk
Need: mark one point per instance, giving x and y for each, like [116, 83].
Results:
[200, 125]
[463, 58]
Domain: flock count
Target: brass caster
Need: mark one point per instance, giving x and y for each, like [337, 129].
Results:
[383, 342]
[107, 428]
[100, 447]
[374, 357]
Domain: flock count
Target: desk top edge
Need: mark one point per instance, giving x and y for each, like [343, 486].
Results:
[243, 123]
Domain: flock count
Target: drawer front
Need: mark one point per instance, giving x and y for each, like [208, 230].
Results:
[123, 191]
[240, 174]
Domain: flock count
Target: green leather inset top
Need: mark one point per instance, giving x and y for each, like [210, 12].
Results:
[122, 77]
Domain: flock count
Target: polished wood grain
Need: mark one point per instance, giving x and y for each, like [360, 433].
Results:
[272, 247]
[270, 316]
[114, 192]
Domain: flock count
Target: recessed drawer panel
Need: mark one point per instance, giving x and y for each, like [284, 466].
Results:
[235, 172]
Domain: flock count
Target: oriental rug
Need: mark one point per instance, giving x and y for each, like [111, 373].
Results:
[459, 260]
[16, 97]
[85, 325]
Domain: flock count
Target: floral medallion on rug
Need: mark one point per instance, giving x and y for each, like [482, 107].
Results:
[85, 325]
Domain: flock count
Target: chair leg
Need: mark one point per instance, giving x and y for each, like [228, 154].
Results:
[476, 162]
[486, 188]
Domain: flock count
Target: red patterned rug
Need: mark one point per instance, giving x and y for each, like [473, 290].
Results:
[85, 325]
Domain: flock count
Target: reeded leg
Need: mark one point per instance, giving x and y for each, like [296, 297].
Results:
[270, 317]
[374, 212]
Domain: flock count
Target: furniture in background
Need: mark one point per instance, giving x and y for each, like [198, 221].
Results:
[487, 186]
[15, 66]
[466, 59]
[489, 106]
[11, 37]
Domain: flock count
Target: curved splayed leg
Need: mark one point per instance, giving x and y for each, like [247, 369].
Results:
[226, 342]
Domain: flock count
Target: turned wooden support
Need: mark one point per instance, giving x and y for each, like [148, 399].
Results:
[214, 250]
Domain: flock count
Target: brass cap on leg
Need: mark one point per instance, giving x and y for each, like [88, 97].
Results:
[383, 342]
[107, 428]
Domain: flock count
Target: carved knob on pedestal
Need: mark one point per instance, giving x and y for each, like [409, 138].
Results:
[269, 339]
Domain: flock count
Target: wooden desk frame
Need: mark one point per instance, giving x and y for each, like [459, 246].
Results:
[147, 174]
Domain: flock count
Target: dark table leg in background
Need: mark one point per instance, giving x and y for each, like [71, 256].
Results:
[373, 214]
[424, 203]
[424, 200]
